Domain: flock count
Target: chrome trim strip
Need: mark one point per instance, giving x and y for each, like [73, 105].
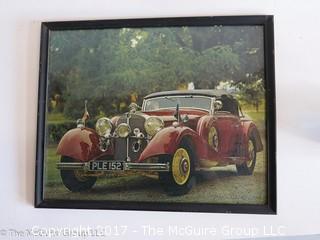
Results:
[72, 166]
[176, 96]
[156, 167]
[128, 122]
[212, 105]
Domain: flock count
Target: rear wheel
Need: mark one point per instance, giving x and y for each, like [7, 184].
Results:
[180, 179]
[247, 167]
[75, 180]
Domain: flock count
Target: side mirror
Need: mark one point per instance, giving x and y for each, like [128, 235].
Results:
[217, 105]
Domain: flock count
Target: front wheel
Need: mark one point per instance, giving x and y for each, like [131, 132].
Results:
[180, 179]
[75, 180]
[247, 167]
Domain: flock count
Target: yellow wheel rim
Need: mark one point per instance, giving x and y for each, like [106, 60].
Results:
[213, 139]
[181, 166]
[251, 154]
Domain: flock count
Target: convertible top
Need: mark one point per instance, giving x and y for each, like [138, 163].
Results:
[199, 92]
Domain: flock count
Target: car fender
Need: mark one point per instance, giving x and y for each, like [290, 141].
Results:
[81, 144]
[248, 128]
[166, 141]
[207, 152]
[204, 125]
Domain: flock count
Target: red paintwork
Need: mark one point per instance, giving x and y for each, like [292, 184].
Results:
[233, 132]
[168, 118]
[167, 141]
[249, 127]
[203, 126]
[81, 144]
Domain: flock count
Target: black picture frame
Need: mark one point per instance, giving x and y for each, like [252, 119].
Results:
[264, 20]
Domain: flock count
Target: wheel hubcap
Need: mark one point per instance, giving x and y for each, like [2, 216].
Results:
[184, 166]
[181, 166]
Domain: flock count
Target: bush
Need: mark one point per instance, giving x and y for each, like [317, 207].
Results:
[57, 130]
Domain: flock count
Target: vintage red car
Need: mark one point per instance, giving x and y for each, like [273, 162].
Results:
[175, 134]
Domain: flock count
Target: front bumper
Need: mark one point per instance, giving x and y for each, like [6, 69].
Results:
[128, 166]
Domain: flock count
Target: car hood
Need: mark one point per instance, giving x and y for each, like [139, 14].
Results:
[168, 116]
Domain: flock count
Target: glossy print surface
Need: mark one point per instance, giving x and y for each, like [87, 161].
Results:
[71, 142]
[168, 116]
[81, 144]
[232, 134]
[166, 141]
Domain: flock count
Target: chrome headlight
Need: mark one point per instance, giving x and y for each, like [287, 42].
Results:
[104, 127]
[123, 130]
[153, 125]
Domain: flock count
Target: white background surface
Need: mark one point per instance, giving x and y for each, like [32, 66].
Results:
[297, 50]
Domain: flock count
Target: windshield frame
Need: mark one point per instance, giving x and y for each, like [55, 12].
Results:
[211, 110]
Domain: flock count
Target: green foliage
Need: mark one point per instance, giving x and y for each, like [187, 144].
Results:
[56, 118]
[214, 65]
[252, 93]
[56, 130]
[108, 67]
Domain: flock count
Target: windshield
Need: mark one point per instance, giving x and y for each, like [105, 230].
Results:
[188, 101]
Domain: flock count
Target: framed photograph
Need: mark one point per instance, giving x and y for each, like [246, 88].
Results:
[168, 114]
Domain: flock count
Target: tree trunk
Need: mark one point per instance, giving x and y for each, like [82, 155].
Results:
[257, 106]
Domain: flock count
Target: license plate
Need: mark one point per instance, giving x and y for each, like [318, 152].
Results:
[106, 166]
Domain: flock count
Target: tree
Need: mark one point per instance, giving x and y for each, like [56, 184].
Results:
[108, 67]
[252, 93]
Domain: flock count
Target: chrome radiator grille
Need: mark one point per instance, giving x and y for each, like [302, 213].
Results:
[124, 146]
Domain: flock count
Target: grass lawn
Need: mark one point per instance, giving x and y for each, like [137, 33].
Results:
[52, 174]
[57, 118]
